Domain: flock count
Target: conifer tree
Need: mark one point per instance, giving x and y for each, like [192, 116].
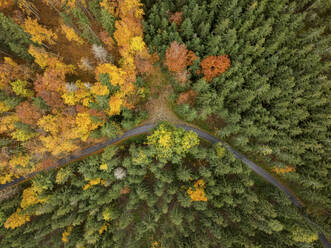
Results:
[13, 38]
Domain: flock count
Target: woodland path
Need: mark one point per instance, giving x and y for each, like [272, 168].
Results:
[202, 134]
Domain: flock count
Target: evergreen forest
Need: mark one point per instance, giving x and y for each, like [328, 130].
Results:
[163, 124]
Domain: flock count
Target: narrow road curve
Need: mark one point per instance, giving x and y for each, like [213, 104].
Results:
[145, 129]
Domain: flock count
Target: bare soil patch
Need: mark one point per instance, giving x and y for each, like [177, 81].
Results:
[158, 105]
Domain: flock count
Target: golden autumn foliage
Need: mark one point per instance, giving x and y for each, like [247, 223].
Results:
[285, 170]
[103, 228]
[40, 56]
[11, 71]
[38, 33]
[168, 141]
[57, 145]
[117, 75]
[71, 34]
[117, 78]
[20, 159]
[106, 214]
[99, 89]
[155, 244]
[213, 66]
[69, 98]
[115, 103]
[27, 7]
[66, 234]
[49, 124]
[76, 93]
[22, 135]
[103, 167]
[4, 107]
[7, 122]
[198, 194]
[137, 43]
[43, 59]
[58, 110]
[6, 4]
[6, 176]
[110, 6]
[30, 197]
[129, 39]
[131, 7]
[19, 87]
[92, 182]
[85, 125]
[65, 130]
[16, 219]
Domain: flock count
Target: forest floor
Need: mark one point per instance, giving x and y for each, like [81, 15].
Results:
[7, 193]
[70, 52]
[158, 105]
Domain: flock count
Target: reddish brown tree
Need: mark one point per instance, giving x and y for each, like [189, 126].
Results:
[187, 97]
[125, 190]
[182, 76]
[178, 57]
[176, 18]
[28, 113]
[47, 87]
[143, 65]
[11, 71]
[213, 66]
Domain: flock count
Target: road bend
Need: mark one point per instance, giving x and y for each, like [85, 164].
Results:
[202, 134]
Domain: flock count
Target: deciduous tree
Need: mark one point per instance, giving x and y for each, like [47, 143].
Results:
[28, 113]
[213, 66]
[39, 34]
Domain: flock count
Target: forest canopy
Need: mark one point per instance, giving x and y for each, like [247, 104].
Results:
[76, 75]
[130, 196]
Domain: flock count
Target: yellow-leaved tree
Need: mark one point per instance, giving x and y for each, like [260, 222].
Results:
[168, 142]
[84, 125]
[198, 193]
[39, 34]
[16, 219]
[71, 34]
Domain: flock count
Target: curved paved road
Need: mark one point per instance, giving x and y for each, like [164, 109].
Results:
[201, 134]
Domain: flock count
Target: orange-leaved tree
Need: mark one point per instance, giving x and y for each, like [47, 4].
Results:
[213, 66]
[187, 97]
[28, 113]
[178, 58]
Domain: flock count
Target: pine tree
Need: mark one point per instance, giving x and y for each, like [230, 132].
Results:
[13, 38]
